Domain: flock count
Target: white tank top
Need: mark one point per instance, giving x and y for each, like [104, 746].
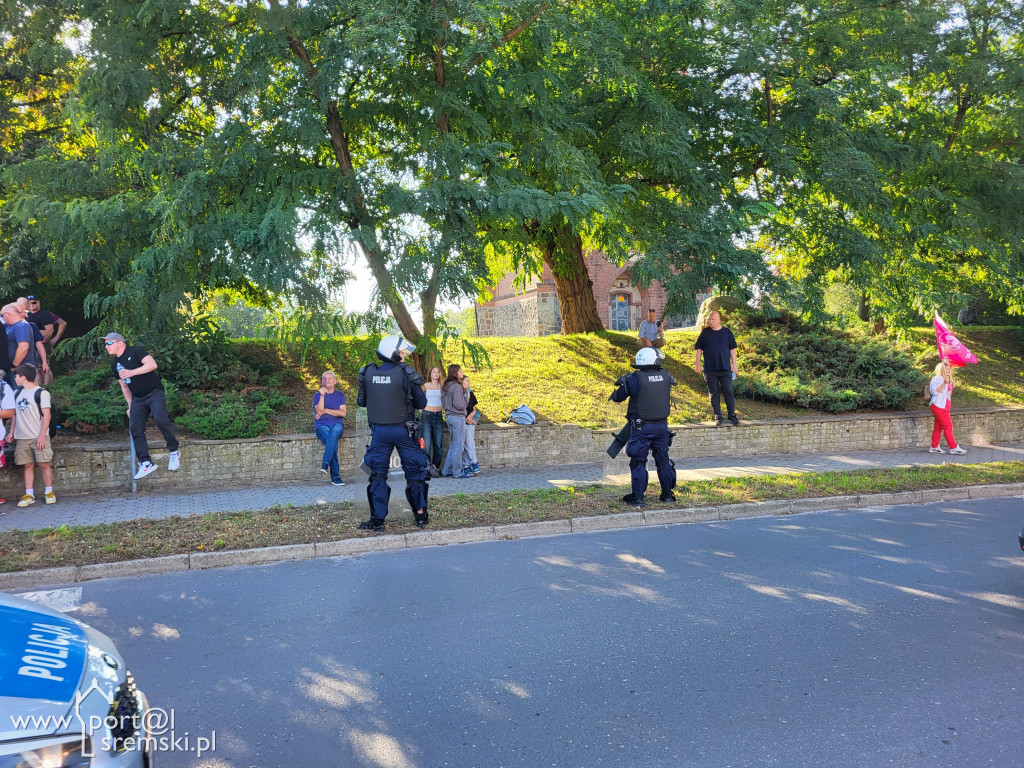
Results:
[433, 398]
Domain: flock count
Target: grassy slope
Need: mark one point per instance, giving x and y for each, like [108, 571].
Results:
[567, 379]
[997, 379]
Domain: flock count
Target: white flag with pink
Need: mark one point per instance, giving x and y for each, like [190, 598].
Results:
[951, 349]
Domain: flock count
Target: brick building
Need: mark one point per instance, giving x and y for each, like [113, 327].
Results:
[533, 311]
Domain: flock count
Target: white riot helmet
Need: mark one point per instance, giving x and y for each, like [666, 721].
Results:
[646, 356]
[390, 345]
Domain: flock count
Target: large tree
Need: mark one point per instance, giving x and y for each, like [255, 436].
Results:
[891, 149]
[246, 145]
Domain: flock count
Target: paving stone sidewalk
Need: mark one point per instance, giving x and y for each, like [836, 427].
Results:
[91, 509]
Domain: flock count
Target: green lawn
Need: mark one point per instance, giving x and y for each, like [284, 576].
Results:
[130, 540]
[997, 379]
[567, 379]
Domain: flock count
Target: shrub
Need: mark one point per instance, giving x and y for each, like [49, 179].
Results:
[823, 368]
[90, 400]
[227, 415]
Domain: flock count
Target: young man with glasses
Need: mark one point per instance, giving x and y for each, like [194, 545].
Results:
[135, 370]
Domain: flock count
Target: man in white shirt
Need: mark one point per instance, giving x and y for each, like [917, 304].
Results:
[651, 333]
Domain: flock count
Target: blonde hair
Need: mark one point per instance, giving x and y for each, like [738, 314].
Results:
[939, 369]
[332, 373]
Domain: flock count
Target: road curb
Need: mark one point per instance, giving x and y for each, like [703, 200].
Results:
[349, 547]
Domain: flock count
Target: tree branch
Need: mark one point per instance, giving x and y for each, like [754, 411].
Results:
[513, 33]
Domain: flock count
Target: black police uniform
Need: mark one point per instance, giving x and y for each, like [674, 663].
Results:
[649, 392]
[390, 391]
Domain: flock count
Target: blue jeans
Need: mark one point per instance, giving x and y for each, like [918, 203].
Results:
[330, 436]
[453, 463]
[433, 430]
[469, 451]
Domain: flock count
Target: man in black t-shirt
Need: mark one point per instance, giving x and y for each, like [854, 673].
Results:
[50, 325]
[135, 370]
[717, 346]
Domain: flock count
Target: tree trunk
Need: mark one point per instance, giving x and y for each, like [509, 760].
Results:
[862, 306]
[563, 254]
[361, 222]
[428, 305]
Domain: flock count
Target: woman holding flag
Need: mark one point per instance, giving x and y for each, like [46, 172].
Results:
[952, 352]
[941, 387]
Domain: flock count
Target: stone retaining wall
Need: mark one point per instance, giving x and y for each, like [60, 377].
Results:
[232, 463]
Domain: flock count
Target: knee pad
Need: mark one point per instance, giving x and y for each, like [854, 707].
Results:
[413, 490]
[634, 463]
[377, 477]
[665, 464]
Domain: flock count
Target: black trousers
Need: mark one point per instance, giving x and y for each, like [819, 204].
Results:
[154, 403]
[720, 384]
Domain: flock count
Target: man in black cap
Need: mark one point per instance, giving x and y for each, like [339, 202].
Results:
[135, 370]
[49, 324]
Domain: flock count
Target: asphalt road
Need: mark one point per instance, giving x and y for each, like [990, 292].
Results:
[880, 637]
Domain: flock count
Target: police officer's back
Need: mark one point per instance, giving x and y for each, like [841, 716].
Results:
[390, 391]
[649, 390]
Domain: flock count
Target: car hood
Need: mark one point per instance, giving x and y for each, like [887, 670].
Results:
[55, 671]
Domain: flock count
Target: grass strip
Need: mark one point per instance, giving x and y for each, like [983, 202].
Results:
[114, 542]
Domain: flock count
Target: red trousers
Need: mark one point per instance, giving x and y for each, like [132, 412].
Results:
[943, 424]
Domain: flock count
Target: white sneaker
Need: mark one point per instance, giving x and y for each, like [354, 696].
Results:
[145, 468]
[958, 449]
[935, 450]
[174, 461]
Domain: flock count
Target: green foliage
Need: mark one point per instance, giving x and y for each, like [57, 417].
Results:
[823, 368]
[198, 356]
[90, 400]
[229, 415]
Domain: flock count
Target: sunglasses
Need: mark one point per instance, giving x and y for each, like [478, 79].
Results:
[109, 343]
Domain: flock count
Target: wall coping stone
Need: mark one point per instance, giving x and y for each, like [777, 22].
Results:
[500, 425]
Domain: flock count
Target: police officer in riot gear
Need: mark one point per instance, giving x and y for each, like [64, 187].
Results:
[390, 392]
[649, 391]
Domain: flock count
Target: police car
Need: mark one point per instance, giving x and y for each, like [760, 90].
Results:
[66, 697]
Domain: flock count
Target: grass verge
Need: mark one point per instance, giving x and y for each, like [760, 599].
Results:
[83, 545]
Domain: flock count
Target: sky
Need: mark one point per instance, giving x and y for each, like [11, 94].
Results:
[357, 293]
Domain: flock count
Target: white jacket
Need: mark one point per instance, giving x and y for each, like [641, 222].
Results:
[939, 398]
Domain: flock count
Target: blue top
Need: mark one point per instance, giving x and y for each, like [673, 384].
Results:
[17, 333]
[333, 400]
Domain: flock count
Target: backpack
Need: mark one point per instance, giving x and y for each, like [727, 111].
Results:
[6, 451]
[54, 416]
[521, 415]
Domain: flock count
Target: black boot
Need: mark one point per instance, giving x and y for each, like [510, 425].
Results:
[632, 500]
[375, 524]
[421, 518]
[667, 496]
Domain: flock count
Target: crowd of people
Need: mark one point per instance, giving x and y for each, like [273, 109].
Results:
[31, 332]
[393, 393]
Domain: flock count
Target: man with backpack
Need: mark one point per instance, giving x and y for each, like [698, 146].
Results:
[31, 428]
